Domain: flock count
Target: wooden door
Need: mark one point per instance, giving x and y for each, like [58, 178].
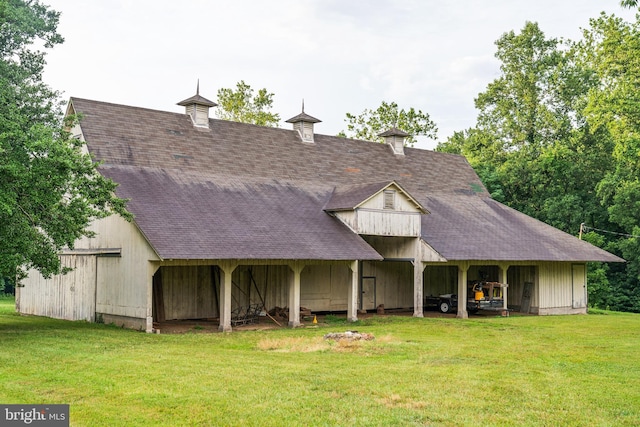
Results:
[368, 293]
[579, 286]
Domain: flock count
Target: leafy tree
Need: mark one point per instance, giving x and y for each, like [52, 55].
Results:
[543, 143]
[240, 105]
[611, 50]
[629, 4]
[531, 145]
[49, 190]
[370, 123]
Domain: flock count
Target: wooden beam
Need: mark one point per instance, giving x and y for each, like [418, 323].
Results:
[418, 280]
[503, 279]
[418, 286]
[294, 294]
[352, 292]
[226, 284]
[463, 268]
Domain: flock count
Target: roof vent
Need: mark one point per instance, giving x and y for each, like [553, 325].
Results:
[197, 107]
[303, 123]
[395, 138]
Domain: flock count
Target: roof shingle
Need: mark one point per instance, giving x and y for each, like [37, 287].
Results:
[243, 191]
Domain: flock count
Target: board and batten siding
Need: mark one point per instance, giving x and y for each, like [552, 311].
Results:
[393, 215]
[440, 279]
[394, 282]
[325, 287]
[113, 289]
[393, 247]
[70, 297]
[382, 223]
[124, 285]
[189, 292]
[255, 283]
[556, 288]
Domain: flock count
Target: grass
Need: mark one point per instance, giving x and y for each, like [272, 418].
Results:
[561, 370]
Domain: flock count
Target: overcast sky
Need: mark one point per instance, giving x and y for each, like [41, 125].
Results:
[338, 55]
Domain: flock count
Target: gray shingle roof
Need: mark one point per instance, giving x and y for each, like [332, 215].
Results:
[243, 191]
[188, 215]
[350, 197]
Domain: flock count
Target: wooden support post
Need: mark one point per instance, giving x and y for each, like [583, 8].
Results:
[151, 271]
[294, 295]
[462, 291]
[418, 286]
[503, 279]
[226, 271]
[352, 292]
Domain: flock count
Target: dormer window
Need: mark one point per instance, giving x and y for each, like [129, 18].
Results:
[389, 199]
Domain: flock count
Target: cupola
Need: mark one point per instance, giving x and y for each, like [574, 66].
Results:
[395, 138]
[303, 123]
[197, 107]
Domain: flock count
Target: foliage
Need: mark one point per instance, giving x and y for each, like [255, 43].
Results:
[6, 286]
[531, 145]
[240, 105]
[550, 371]
[610, 49]
[49, 190]
[558, 137]
[370, 123]
[630, 4]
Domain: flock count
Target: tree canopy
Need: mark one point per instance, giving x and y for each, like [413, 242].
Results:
[370, 123]
[49, 190]
[241, 105]
[557, 138]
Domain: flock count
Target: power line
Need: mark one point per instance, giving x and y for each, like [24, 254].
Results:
[586, 229]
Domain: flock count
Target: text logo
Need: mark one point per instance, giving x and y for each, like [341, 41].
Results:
[34, 415]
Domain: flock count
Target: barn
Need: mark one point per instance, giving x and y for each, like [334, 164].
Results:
[232, 216]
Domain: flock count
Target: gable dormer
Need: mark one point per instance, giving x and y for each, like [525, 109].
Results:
[395, 138]
[197, 107]
[303, 123]
[381, 209]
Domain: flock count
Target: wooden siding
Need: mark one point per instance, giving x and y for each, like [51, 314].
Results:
[305, 129]
[100, 285]
[517, 278]
[124, 284]
[381, 222]
[325, 287]
[188, 292]
[371, 217]
[402, 203]
[322, 287]
[71, 296]
[579, 283]
[394, 282]
[428, 254]
[202, 115]
[556, 289]
[393, 247]
[440, 280]
[251, 282]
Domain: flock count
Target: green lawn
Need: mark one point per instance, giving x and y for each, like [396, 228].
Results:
[562, 370]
